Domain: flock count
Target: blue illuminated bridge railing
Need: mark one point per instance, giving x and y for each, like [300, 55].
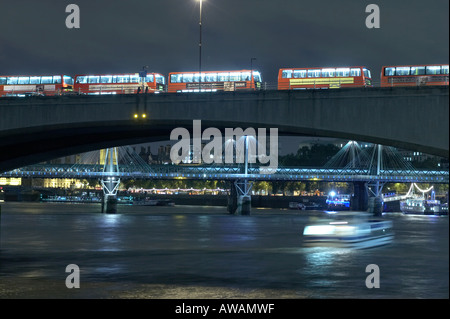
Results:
[167, 172]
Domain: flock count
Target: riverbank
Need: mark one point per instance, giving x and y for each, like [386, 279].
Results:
[258, 201]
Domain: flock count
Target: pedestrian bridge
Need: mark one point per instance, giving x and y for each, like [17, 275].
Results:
[231, 173]
[36, 129]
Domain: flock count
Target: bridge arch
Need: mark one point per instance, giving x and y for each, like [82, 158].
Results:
[40, 128]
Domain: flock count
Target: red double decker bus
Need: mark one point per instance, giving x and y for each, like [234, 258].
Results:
[212, 81]
[119, 83]
[23, 85]
[414, 75]
[323, 78]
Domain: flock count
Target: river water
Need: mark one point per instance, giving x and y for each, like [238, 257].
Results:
[189, 252]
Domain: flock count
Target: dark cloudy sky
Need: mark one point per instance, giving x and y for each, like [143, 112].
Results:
[123, 36]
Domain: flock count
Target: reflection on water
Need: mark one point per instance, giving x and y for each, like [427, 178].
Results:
[202, 252]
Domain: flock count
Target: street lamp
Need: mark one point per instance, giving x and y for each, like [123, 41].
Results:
[251, 71]
[200, 49]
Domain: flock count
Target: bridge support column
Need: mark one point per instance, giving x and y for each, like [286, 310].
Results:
[109, 204]
[244, 200]
[232, 199]
[110, 183]
[375, 206]
[360, 196]
[376, 200]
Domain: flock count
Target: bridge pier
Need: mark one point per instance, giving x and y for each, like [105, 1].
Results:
[244, 199]
[232, 199]
[110, 183]
[360, 196]
[109, 204]
[375, 206]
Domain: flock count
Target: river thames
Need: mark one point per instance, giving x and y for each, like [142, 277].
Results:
[191, 252]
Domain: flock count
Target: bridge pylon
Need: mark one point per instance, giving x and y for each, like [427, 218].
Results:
[244, 186]
[110, 181]
[375, 205]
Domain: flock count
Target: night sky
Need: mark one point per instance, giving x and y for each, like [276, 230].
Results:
[124, 36]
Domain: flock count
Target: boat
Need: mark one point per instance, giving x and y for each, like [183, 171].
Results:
[297, 205]
[338, 201]
[356, 230]
[304, 206]
[444, 209]
[154, 202]
[421, 206]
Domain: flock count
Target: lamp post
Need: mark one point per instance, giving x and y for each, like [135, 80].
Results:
[251, 71]
[200, 50]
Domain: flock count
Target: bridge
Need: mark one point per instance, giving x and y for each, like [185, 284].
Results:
[368, 170]
[231, 173]
[36, 129]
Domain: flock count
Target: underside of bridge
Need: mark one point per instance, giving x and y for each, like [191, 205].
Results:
[33, 130]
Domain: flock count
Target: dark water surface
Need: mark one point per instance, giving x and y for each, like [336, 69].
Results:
[189, 252]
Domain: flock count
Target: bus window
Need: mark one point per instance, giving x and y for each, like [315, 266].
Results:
[13, 80]
[443, 71]
[35, 80]
[286, 74]
[433, 69]
[24, 80]
[355, 72]
[299, 74]
[245, 76]
[68, 79]
[257, 76]
[211, 77]
[80, 79]
[2, 80]
[46, 80]
[176, 78]
[342, 72]
[197, 77]
[57, 79]
[160, 79]
[94, 79]
[389, 71]
[314, 73]
[223, 77]
[367, 73]
[402, 70]
[235, 76]
[149, 78]
[106, 79]
[188, 78]
[123, 79]
[328, 73]
[417, 70]
[134, 78]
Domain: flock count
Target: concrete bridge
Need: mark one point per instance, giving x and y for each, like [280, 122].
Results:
[35, 129]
